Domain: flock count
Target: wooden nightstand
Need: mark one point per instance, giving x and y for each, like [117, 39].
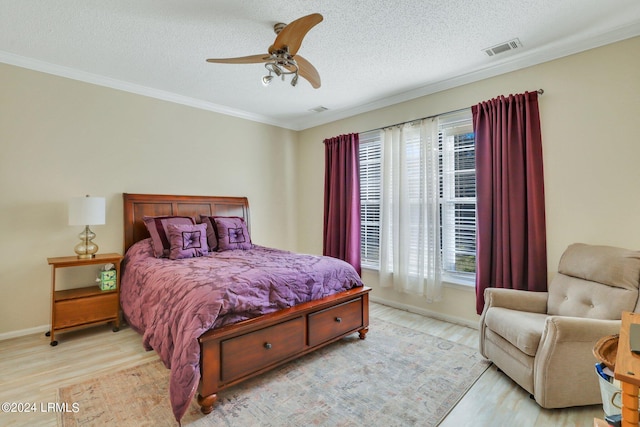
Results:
[86, 306]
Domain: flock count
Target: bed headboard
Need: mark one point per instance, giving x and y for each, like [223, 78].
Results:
[136, 206]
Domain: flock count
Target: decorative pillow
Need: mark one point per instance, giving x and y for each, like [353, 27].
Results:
[187, 241]
[232, 233]
[157, 227]
[212, 238]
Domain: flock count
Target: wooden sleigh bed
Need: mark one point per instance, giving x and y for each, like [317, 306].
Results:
[237, 352]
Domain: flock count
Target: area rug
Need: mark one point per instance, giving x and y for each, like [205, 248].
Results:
[395, 377]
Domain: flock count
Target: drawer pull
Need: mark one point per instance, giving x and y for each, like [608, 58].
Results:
[267, 345]
[338, 319]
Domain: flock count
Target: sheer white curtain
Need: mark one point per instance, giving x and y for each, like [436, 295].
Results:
[409, 241]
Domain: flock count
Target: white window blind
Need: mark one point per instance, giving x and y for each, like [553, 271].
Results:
[370, 181]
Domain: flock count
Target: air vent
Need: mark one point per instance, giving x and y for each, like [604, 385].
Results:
[319, 109]
[503, 47]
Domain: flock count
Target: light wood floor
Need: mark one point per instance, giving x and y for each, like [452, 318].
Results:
[494, 400]
[31, 372]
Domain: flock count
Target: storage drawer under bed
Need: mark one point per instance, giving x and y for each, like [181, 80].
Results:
[334, 321]
[249, 353]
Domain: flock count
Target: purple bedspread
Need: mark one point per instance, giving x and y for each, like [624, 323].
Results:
[172, 302]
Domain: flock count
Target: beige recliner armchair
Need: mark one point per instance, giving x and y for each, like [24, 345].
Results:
[544, 340]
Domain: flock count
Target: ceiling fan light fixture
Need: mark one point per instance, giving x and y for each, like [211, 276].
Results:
[266, 80]
[281, 64]
[277, 70]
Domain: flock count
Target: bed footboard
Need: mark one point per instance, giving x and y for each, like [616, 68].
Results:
[237, 352]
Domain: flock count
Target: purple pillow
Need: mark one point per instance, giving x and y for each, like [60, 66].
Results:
[187, 241]
[212, 239]
[232, 233]
[157, 227]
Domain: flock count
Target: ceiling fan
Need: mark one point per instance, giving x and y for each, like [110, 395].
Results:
[282, 58]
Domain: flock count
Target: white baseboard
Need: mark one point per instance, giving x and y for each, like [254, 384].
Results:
[23, 332]
[425, 312]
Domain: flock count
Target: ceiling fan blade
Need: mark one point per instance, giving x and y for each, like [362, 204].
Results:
[308, 71]
[252, 59]
[292, 35]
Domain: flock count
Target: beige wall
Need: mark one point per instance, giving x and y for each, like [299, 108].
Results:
[61, 138]
[589, 118]
[51, 126]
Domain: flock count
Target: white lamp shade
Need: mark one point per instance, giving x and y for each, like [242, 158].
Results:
[86, 211]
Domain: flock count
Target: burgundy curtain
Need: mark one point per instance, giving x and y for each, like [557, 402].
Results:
[341, 238]
[511, 239]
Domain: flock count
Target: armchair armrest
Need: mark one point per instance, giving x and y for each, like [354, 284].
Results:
[578, 329]
[534, 302]
[564, 364]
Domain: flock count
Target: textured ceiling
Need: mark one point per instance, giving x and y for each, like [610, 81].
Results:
[368, 53]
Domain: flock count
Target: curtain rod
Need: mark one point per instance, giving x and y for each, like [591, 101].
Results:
[540, 92]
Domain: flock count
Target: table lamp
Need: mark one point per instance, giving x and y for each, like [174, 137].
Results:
[86, 211]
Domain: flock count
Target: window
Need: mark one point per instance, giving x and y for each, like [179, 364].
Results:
[457, 196]
[370, 181]
[457, 176]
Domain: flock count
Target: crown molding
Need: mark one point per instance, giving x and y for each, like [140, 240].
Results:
[511, 63]
[83, 76]
[508, 64]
